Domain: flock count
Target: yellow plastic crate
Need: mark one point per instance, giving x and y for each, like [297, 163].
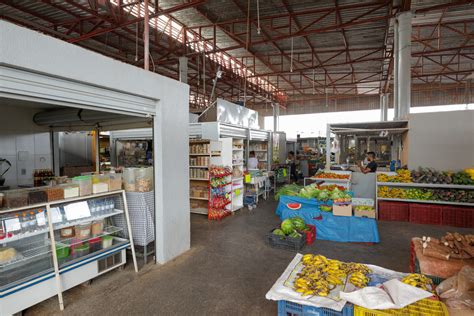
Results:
[424, 307]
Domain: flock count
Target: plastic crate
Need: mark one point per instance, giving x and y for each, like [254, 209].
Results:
[286, 308]
[425, 213]
[311, 234]
[425, 307]
[286, 242]
[394, 211]
[458, 216]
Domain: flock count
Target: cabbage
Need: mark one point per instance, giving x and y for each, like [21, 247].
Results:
[323, 195]
[278, 232]
[287, 226]
[298, 223]
[290, 190]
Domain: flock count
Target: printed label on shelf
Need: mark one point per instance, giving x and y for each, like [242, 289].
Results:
[41, 219]
[77, 210]
[12, 224]
[56, 215]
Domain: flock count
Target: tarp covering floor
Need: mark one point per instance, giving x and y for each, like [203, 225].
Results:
[228, 271]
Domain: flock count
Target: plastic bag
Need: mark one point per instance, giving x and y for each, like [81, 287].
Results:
[457, 292]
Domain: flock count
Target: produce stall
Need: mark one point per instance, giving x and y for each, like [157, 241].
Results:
[318, 285]
[342, 178]
[330, 209]
[427, 196]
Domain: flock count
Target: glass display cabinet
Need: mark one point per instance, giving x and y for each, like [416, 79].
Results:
[47, 248]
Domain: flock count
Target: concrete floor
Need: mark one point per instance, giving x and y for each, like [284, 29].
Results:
[227, 272]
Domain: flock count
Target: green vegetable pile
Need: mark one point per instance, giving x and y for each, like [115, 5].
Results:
[313, 192]
[291, 227]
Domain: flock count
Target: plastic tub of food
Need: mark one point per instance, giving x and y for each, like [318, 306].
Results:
[83, 231]
[85, 184]
[62, 251]
[67, 232]
[37, 196]
[97, 227]
[15, 198]
[55, 193]
[143, 182]
[95, 244]
[107, 242]
[70, 190]
[115, 181]
[80, 251]
[129, 179]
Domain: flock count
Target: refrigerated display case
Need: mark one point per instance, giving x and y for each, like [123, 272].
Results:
[51, 247]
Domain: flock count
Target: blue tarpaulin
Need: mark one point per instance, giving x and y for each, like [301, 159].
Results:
[328, 226]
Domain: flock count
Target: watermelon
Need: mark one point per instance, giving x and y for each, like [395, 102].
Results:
[293, 206]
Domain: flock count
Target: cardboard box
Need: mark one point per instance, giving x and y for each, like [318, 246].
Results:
[342, 210]
[364, 213]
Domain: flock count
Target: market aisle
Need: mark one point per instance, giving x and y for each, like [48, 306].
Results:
[227, 272]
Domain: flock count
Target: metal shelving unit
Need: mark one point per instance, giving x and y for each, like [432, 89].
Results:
[37, 273]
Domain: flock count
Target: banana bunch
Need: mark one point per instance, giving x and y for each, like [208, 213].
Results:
[359, 279]
[383, 192]
[403, 175]
[320, 275]
[419, 280]
[382, 177]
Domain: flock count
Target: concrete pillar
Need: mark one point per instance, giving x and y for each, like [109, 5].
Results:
[404, 64]
[276, 116]
[183, 69]
[395, 69]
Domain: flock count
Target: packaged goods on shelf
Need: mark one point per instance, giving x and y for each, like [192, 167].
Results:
[199, 148]
[83, 231]
[107, 241]
[15, 198]
[67, 232]
[55, 194]
[7, 254]
[97, 227]
[1, 199]
[143, 183]
[37, 196]
[195, 173]
[85, 185]
[71, 190]
[129, 179]
[95, 244]
[115, 181]
[80, 251]
[100, 188]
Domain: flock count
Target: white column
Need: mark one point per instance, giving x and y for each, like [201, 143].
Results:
[395, 68]
[328, 147]
[183, 69]
[404, 64]
[171, 162]
[276, 116]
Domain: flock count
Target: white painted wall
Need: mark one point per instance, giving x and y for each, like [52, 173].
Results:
[40, 53]
[24, 144]
[444, 141]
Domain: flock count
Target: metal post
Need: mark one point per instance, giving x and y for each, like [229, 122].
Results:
[395, 69]
[276, 114]
[183, 69]
[404, 64]
[381, 107]
[385, 107]
[328, 147]
[146, 38]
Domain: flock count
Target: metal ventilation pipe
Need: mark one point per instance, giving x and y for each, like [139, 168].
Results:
[395, 69]
[404, 64]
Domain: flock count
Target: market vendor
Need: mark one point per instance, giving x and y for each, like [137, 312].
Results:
[291, 161]
[252, 163]
[371, 165]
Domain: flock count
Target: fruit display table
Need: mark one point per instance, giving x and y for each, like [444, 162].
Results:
[328, 226]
